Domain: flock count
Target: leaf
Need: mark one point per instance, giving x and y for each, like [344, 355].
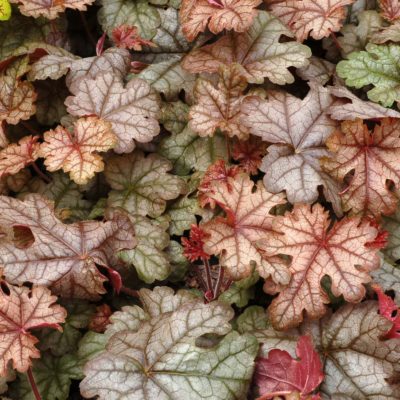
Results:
[357, 363]
[356, 108]
[54, 66]
[249, 154]
[114, 13]
[388, 309]
[391, 225]
[17, 156]
[184, 148]
[100, 320]
[76, 152]
[389, 33]
[258, 51]
[62, 256]
[281, 374]
[389, 9]
[248, 219]
[49, 8]
[127, 37]
[196, 16]
[53, 377]
[16, 100]
[67, 197]
[297, 130]
[21, 310]
[354, 37]
[178, 367]
[141, 185]
[311, 17]
[388, 276]
[376, 66]
[66, 341]
[344, 252]
[318, 70]
[240, 292]
[219, 107]
[373, 158]
[148, 257]
[132, 110]
[5, 10]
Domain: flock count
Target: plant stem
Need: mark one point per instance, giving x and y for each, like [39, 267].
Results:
[208, 276]
[220, 278]
[40, 173]
[337, 44]
[32, 382]
[129, 292]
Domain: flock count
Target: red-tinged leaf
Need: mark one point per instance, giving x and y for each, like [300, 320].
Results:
[193, 248]
[100, 319]
[127, 37]
[280, 374]
[248, 219]
[62, 256]
[196, 15]
[249, 154]
[20, 311]
[388, 309]
[363, 162]
[389, 9]
[317, 249]
[217, 173]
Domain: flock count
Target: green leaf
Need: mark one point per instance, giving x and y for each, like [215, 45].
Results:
[182, 214]
[66, 341]
[5, 10]
[148, 257]
[240, 292]
[52, 376]
[139, 13]
[141, 185]
[179, 263]
[388, 277]
[377, 66]
[165, 73]
[253, 318]
[161, 358]
[184, 148]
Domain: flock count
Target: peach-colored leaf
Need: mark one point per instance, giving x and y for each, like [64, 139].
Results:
[297, 130]
[49, 8]
[17, 156]
[61, 256]
[364, 162]
[389, 9]
[16, 100]
[341, 252]
[317, 18]
[76, 152]
[219, 107]
[21, 310]
[217, 173]
[226, 14]
[247, 220]
[261, 52]
[132, 110]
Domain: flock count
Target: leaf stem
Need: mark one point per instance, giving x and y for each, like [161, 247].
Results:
[220, 279]
[208, 276]
[40, 173]
[32, 382]
[335, 41]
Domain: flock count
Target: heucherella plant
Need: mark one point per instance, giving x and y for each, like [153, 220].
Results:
[199, 199]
